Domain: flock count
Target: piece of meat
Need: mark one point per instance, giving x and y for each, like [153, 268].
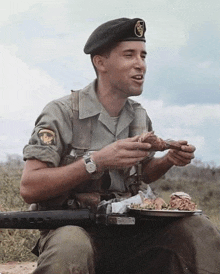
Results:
[158, 144]
[156, 204]
[182, 201]
[159, 203]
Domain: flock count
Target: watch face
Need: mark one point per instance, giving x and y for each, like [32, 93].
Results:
[90, 167]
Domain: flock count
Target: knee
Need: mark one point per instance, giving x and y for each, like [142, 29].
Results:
[67, 242]
[190, 230]
[195, 224]
[66, 250]
[70, 239]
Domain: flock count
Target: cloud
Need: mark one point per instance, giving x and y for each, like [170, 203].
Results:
[203, 43]
[23, 88]
[14, 134]
[24, 91]
[11, 8]
[180, 116]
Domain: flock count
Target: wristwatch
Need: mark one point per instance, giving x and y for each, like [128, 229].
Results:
[90, 164]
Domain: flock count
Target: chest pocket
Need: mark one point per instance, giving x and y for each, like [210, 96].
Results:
[141, 122]
[82, 128]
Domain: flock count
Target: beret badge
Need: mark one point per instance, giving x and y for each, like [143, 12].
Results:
[139, 28]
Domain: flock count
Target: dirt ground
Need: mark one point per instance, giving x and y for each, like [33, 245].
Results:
[17, 268]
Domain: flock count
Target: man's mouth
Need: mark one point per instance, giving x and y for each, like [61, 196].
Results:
[138, 77]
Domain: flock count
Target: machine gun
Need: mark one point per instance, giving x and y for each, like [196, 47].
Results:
[51, 219]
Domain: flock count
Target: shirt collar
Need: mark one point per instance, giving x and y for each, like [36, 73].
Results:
[89, 104]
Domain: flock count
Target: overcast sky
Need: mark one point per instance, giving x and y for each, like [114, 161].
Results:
[41, 59]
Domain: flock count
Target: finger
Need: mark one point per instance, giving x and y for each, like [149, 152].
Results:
[142, 146]
[188, 148]
[181, 158]
[183, 154]
[183, 142]
[177, 161]
[138, 154]
[130, 145]
[134, 139]
[129, 154]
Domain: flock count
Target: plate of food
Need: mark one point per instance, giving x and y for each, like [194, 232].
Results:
[180, 205]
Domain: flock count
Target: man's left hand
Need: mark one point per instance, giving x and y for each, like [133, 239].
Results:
[181, 157]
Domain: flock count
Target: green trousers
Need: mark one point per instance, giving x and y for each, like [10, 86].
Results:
[188, 245]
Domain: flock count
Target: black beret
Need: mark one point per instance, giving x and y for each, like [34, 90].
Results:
[111, 32]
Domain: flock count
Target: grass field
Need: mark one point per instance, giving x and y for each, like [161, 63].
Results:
[201, 181]
[15, 245]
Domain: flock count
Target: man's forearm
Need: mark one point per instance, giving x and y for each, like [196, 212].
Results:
[40, 182]
[155, 168]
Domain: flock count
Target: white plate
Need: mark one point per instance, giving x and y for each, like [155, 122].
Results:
[164, 212]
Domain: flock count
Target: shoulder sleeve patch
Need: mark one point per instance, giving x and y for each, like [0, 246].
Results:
[47, 136]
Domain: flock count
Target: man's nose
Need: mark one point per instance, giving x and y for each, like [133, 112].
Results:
[140, 63]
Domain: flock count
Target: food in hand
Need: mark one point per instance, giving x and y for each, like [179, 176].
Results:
[158, 144]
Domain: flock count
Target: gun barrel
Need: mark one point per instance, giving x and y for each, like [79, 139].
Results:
[50, 219]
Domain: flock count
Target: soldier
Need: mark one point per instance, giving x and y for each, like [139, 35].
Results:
[86, 145]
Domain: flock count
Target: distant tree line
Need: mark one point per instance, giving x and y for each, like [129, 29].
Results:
[198, 169]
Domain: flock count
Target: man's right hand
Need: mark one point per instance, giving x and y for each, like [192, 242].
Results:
[122, 153]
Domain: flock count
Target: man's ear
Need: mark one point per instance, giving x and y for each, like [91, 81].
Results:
[99, 63]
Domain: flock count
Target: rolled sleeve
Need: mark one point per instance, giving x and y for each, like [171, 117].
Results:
[52, 134]
[42, 153]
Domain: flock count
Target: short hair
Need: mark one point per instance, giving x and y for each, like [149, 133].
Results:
[103, 52]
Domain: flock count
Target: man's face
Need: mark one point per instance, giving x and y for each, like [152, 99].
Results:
[126, 68]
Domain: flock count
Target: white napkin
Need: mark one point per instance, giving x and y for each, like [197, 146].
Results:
[121, 207]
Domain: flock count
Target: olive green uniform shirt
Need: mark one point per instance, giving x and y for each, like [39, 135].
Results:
[72, 125]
